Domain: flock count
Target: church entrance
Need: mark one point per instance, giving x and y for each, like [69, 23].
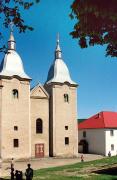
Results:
[39, 150]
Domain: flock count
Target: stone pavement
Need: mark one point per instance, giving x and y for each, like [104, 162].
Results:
[44, 163]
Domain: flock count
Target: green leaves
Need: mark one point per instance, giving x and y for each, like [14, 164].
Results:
[96, 24]
[10, 10]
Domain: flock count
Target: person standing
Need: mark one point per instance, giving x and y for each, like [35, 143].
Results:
[12, 163]
[0, 162]
[12, 174]
[18, 175]
[109, 154]
[29, 172]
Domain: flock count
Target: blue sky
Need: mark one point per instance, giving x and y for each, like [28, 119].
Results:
[95, 73]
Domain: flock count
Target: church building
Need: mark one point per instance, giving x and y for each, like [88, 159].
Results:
[40, 121]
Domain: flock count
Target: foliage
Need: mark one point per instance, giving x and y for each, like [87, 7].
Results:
[96, 24]
[10, 11]
[81, 120]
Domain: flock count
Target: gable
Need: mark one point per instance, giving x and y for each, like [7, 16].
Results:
[39, 92]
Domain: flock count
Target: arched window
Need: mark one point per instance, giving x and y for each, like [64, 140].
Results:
[15, 93]
[66, 98]
[39, 126]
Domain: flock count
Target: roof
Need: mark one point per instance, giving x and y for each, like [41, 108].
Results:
[59, 73]
[12, 65]
[101, 120]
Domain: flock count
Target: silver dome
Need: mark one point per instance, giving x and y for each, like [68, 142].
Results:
[59, 71]
[12, 62]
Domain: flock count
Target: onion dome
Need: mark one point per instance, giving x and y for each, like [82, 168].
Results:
[12, 63]
[58, 72]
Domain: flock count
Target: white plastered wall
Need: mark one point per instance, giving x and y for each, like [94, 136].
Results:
[95, 139]
[111, 140]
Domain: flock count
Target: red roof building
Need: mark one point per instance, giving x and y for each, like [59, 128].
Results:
[101, 120]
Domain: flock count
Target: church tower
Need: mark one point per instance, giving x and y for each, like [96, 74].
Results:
[15, 136]
[63, 133]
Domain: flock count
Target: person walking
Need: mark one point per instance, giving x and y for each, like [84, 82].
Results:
[82, 158]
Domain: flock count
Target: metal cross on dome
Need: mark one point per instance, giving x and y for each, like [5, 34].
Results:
[11, 26]
[58, 37]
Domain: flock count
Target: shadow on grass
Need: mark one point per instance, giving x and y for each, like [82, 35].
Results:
[107, 171]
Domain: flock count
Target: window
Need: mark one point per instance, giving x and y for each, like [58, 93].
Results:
[39, 126]
[16, 142]
[66, 98]
[111, 132]
[66, 127]
[15, 128]
[112, 147]
[15, 93]
[84, 134]
[66, 140]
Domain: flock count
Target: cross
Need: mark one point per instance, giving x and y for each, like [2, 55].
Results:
[11, 26]
[58, 37]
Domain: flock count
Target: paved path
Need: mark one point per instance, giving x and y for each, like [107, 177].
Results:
[45, 163]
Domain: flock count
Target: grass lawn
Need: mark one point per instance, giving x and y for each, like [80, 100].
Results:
[103, 169]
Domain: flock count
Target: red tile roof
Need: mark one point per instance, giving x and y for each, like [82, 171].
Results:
[101, 120]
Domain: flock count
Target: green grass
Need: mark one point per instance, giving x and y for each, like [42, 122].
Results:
[79, 171]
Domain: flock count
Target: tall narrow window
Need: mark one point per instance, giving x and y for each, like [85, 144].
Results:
[16, 142]
[66, 98]
[84, 134]
[39, 126]
[66, 140]
[112, 147]
[15, 93]
[112, 132]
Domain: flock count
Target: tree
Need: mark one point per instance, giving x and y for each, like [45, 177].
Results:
[10, 11]
[96, 24]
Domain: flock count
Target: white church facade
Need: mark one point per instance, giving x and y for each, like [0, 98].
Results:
[41, 121]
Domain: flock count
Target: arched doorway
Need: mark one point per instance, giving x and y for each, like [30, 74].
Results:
[84, 145]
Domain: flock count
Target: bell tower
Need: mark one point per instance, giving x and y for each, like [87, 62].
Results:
[63, 134]
[15, 136]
